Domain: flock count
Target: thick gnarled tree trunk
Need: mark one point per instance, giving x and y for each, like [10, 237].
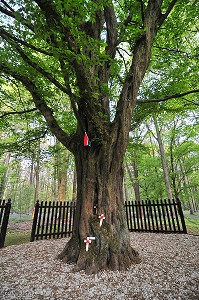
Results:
[99, 182]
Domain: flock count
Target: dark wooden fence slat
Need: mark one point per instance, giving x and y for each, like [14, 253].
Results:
[151, 208]
[2, 206]
[47, 220]
[133, 214]
[181, 216]
[167, 214]
[59, 219]
[155, 215]
[51, 220]
[56, 219]
[148, 216]
[5, 213]
[140, 215]
[144, 214]
[176, 215]
[67, 214]
[171, 215]
[71, 218]
[63, 219]
[74, 208]
[43, 220]
[160, 216]
[163, 214]
[127, 215]
[130, 215]
[137, 216]
[39, 220]
[34, 225]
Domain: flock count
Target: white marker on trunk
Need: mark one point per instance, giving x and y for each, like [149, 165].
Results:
[101, 217]
[87, 241]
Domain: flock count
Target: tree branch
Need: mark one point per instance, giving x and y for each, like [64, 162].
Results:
[169, 9]
[41, 105]
[35, 66]
[71, 95]
[111, 28]
[168, 97]
[172, 50]
[7, 5]
[7, 36]
[54, 21]
[139, 65]
[17, 112]
[13, 14]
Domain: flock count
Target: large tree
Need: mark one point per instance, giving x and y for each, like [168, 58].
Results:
[93, 55]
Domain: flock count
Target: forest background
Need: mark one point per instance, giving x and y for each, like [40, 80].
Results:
[164, 145]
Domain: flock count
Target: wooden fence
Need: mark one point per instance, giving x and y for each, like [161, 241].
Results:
[52, 220]
[4, 217]
[155, 216]
[55, 219]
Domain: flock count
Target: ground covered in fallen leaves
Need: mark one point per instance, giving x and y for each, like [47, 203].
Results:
[169, 270]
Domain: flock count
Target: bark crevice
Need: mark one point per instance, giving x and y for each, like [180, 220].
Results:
[109, 251]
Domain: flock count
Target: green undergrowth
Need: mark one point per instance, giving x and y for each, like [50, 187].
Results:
[16, 238]
[192, 222]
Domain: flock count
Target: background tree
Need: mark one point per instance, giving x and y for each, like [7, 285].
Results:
[179, 134]
[74, 54]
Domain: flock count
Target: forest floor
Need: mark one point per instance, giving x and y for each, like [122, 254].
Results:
[20, 225]
[169, 270]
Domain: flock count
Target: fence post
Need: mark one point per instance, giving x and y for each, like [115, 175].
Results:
[5, 223]
[181, 216]
[34, 224]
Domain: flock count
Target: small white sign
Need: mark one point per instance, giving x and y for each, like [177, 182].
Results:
[101, 217]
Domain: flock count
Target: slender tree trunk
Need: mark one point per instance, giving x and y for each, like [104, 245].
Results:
[37, 173]
[62, 175]
[153, 153]
[31, 180]
[125, 187]
[189, 194]
[172, 161]
[74, 195]
[134, 179]
[62, 188]
[163, 159]
[173, 172]
[4, 177]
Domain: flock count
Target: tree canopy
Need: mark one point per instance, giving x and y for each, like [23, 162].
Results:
[76, 51]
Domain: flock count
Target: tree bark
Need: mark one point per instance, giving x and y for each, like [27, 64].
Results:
[188, 191]
[74, 193]
[99, 183]
[173, 165]
[4, 176]
[62, 165]
[163, 160]
[37, 174]
[134, 179]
